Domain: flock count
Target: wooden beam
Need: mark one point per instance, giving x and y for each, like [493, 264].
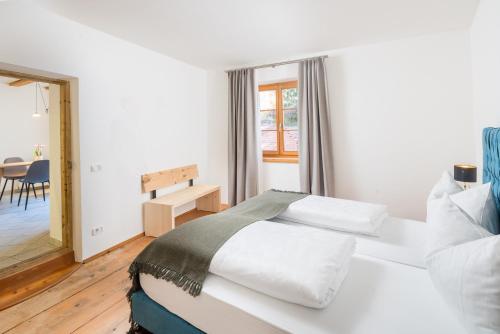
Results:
[32, 77]
[20, 82]
[66, 166]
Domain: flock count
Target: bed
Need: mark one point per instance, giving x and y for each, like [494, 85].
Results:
[398, 298]
[387, 290]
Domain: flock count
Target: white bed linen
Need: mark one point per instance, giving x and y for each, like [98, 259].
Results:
[296, 263]
[337, 214]
[399, 240]
[377, 297]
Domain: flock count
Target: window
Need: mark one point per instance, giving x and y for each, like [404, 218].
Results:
[278, 121]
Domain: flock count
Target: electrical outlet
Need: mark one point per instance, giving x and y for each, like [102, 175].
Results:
[96, 230]
[94, 168]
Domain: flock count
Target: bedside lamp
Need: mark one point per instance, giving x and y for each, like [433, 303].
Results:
[465, 173]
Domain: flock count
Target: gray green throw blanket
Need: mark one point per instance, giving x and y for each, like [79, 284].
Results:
[184, 254]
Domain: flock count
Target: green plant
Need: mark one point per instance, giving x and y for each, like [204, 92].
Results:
[38, 151]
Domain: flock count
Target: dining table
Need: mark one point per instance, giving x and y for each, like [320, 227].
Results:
[13, 164]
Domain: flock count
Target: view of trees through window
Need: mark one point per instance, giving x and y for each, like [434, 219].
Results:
[278, 119]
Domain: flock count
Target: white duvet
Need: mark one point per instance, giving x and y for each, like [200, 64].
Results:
[337, 214]
[295, 263]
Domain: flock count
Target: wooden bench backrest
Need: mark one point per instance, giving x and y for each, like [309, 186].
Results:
[168, 177]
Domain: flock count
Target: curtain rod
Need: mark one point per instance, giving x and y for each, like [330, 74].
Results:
[277, 64]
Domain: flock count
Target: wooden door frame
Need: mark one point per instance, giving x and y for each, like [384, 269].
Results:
[66, 164]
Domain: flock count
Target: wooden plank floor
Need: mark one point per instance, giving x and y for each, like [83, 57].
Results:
[83, 303]
[23, 234]
[91, 300]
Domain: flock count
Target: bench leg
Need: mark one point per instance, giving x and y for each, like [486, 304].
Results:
[210, 202]
[158, 219]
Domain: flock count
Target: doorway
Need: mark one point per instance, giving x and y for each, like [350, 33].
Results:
[35, 177]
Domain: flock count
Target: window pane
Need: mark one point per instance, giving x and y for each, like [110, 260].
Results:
[291, 140]
[290, 119]
[290, 97]
[269, 141]
[267, 99]
[268, 120]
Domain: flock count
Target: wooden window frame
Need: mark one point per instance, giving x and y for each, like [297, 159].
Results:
[279, 155]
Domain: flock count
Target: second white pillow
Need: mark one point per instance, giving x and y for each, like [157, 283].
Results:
[479, 203]
[449, 225]
[445, 185]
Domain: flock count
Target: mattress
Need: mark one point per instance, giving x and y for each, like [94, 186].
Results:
[400, 240]
[377, 296]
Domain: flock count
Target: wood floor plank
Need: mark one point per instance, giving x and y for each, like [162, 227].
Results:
[88, 274]
[24, 234]
[17, 292]
[79, 309]
[113, 320]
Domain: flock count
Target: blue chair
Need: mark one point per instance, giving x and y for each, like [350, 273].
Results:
[12, 174]
[38, 172]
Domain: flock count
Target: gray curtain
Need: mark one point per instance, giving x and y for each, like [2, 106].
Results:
[243, 162]
[315, 147]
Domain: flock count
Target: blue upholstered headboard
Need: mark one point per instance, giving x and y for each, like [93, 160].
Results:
[491, 161]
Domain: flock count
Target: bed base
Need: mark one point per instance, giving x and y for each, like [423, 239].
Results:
[156, 319]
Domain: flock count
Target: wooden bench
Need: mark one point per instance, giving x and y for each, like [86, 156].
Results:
[159, 212]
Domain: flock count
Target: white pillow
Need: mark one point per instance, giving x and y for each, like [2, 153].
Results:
[464, 264]
[479, 203]
[445, 185]
[449, 225]
[468, 278]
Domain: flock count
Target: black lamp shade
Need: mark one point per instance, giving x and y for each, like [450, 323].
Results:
[465, 173]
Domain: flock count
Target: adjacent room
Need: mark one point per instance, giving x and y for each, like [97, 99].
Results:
[287, 166]
[29, 227]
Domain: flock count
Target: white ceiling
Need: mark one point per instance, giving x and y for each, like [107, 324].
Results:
[226, 33]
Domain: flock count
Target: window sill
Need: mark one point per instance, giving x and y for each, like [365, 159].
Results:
[287, 160]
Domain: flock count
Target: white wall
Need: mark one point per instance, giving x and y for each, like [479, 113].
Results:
[282, 73]
[217, 122]
[279, 175]
[19, 131]
[401, 114]
[485, 46]
[137, 111]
